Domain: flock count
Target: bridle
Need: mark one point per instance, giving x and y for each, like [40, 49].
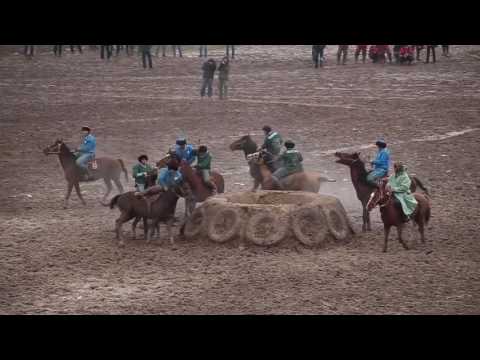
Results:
[49, 152]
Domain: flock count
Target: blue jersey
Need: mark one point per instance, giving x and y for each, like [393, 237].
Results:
[168, 178]
[188, 154]
[89, 145]
[382, 161]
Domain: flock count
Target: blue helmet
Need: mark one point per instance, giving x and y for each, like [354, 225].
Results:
[381, 142]
[181, 141]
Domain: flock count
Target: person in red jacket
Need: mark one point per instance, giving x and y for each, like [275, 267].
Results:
[361, 49]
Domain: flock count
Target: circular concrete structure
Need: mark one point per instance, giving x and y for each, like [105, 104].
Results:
[268, 218]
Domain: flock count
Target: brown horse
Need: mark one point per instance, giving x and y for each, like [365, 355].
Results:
[261, 174]
[392, 215]
[162, 210]
[200, 192]
[107, 169]
[358, 173]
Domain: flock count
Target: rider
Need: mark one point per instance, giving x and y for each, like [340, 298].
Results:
[292, 163]
[170, 176]
[204, 160]
[140, 172]
[399, 184]
[86, 152]
[273, 145]
[380, 164]
[185, 151]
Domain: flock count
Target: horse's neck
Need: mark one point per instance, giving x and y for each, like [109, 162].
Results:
[66, 157]
[359, 180]
[192, 180]
[250, 147]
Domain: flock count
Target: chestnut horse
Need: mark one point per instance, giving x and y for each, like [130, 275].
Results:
[392, 214]
[358, 173]
[107, 169]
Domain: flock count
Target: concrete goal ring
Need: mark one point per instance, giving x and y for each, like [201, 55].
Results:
[309, 226]
[224, 225]
[267, 228]
[337, 224]
[195, 225]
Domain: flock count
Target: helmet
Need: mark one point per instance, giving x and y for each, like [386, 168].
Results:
[86, 128]
[289, 144]
[181, 141]
[267, 128]
[141, 157]
[202, 149]
[381, 142]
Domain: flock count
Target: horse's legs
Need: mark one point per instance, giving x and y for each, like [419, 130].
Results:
[400, 230]
[386, 231]
[108, 183]
[124, 217]
[366, 218]
[134, 227]
[119, 185]
[169, 230]
[421, 229]
[77, 189]
[67, 196]
[256, 184]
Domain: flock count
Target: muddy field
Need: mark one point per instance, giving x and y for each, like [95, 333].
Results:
[56, 261]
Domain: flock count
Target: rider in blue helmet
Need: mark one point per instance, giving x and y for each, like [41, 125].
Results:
[185, 151]
[381, 163]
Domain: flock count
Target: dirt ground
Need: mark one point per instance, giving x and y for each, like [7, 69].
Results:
[56, 261]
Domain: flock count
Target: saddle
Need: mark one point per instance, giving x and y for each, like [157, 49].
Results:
[151, 195]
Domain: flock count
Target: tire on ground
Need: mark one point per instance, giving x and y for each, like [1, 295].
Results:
[267, 228]
[310, 226]
[195, 225]
[224, 225]
[336, 223]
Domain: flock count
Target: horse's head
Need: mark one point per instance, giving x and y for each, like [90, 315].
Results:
[240, 143]
[379, 197]
[55, 148]
[347, 158]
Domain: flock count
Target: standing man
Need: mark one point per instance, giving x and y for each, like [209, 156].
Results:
[361, 49]
[342, 50]
[86, 152]
[431, 49]
[208, 68]
[418, 49]
[174, 49]
[317, 55]
[140, 172]
[108, 49]
[72, 48]
[145, 50]
[57, 50]
[445, 50]
[28, 50]
[380, 164]
[203, 51]
[233, 51]
[223, 71]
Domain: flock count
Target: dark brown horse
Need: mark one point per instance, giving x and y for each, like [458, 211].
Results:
[107, 169]
[358, 173]
[249, 147]
[200, 192]
[162, 209]
[392, 215]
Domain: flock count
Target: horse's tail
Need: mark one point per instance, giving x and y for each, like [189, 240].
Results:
[122, 165]
[114, 201]
[420, 185]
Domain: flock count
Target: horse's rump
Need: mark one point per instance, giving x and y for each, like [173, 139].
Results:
[302, 181]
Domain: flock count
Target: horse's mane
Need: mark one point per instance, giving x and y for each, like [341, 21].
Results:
[362, 170]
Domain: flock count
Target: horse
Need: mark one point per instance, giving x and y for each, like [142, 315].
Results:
[303, 181]
[358, 174]
[162, 209]
[106, 168]
[199, 191]
[392, 215]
